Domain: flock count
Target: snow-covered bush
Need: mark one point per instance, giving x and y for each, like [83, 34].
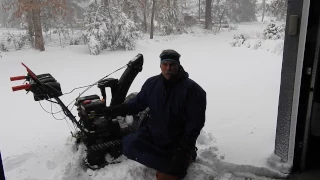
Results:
[273, 31]
[253, 43]
[18, 41]
[238, 40]
[75, 41]
[95, 46]
[3, 47]
[108, 28]
[233, 27]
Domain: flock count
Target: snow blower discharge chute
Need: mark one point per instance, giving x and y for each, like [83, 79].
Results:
[101, 134]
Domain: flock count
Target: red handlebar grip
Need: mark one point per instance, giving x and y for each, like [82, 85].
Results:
[18, 88]
[17, 78]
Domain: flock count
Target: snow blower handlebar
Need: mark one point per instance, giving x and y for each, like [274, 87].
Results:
[16, 78]
[21, 87]
[44, 87]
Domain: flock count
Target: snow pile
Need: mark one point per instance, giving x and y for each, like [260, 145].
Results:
[65, 162]
[274, 162]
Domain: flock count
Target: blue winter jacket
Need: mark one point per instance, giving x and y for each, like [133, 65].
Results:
[177, 109]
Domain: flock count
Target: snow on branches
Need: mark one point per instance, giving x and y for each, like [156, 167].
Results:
[108, 28]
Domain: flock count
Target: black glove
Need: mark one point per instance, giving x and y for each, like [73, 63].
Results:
[114, 111]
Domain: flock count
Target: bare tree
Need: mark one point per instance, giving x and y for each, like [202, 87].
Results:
[152, 19]
[125, 7]
[279, 8]
[106, 2]
[30, 27]
[208, 16]
[144, 7]
[263, 9]
[199, 10]
[32, 9]
[39, 43]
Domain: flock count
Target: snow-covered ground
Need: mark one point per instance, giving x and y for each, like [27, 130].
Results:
[242, 88]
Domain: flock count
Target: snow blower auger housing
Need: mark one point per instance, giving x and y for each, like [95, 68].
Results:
[100, 134]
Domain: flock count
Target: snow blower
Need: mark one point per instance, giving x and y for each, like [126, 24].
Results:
[101, 134]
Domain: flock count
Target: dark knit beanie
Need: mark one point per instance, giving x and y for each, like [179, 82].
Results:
[170, 55]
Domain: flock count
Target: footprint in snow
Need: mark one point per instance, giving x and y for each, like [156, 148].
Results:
[14, 162]
[200, 171]
[51, 165]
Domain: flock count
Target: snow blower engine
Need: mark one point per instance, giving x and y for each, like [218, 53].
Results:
[101, 135]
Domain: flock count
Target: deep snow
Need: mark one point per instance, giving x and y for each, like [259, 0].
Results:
[242, 88]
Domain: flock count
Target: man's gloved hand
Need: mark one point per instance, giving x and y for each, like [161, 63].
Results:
[114, 111]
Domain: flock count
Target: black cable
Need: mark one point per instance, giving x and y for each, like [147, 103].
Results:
[75, 89]
[65, 118]
[52, 113]
[48, 111]
[90, 86]
[59, 111]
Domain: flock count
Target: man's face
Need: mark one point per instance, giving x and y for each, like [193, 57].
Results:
[169, 69]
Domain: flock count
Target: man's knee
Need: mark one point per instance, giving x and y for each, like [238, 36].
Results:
[127, 144]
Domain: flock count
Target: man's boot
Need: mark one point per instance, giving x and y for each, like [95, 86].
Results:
[163, 176]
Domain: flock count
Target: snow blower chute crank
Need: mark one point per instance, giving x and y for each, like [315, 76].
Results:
[100, 134]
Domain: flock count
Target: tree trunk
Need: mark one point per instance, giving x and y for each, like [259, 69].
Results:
[199, 10]
[263, 9]
[106, 2]
[175, 4]
[152, 18]
[30, 27]
[30, 24]
[221, 17]
[208, 18]
[37, 27]
[125, 8]
[145, 17]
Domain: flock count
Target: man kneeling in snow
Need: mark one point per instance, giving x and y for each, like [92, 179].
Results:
[177, 106]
